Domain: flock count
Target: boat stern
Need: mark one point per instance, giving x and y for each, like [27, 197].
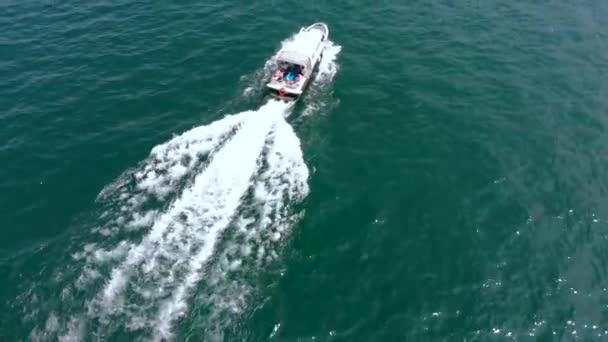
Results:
[283, 94]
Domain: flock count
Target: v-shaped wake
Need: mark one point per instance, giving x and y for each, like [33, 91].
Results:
[187, 229]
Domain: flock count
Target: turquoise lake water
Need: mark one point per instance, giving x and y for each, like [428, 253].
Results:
[444, 178]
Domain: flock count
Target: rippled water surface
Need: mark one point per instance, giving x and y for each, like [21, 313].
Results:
[444, 177]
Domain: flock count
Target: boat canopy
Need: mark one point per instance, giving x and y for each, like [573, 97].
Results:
[294, 58]
[303, 49]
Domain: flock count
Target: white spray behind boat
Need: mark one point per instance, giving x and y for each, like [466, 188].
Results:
[189, 227]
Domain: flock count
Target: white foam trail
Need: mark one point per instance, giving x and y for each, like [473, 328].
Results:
[260, 231]
[160, 176]
[328, 67]
[318, 95]
[158, 179]
[285, 177]
[210, 195]
[168, 162]
[160, 272]
[219, 190]
[204, 213]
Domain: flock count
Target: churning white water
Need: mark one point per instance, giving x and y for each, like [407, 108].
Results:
[190, 227]
[251, 159]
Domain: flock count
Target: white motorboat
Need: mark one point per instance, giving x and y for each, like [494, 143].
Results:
[296, 62]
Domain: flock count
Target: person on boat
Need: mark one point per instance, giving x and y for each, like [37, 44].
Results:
[290, 73]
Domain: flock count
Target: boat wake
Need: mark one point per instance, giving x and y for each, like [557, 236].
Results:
[232, 184]
[182, 239]
[319, 96]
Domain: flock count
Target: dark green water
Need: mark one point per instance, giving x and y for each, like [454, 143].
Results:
[455, 159]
